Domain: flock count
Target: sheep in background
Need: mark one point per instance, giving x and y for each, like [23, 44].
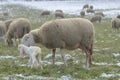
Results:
[59, 10]
[34, 54]
[96, 18]
[45, 13]
[99, 13]
[17, 29]
[2, 31]
[85, 6]
[91, 7]
[59, 14]
[82, 13]
[118, 16]
[90, 10]
[8, 22]
[68, 34]
[116, 24]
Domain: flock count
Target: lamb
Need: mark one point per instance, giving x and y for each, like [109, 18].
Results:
[59, 14]
[34, 54]
[96, 18]
[68, 34]
[17, 29]
[2, 31]
[46, 12]
[116, 24]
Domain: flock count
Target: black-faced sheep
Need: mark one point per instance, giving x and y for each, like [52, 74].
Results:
[17, 29]
[68, 34]
[85, 6]
[96, 18]
[34, 54]
[46, 12]
[2, 31]
[116, 24]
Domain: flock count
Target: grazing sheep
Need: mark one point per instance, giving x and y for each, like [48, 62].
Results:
[96, 18]
[90, 10]
[91, 7]
[99, 13]
[59, 14]
[33, 52]
[58, 10]
[45, 13]
[85, 6]
[2, 31]
[17, 29]
[8, 22]
[116, 24]
[82, 13]
[118, 16]
[68, 34]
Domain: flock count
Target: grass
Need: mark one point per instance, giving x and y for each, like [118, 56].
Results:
[106, 43]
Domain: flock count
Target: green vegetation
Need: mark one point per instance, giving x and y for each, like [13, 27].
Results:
[105, 45]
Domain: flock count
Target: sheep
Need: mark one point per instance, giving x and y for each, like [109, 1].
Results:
[118, 16]
[82, 13]
[85, 6]
[2, 31]
[96, 18]
[59, 14]
[99, 13]
[90, 10]
[8, 22]
[59, 10]
[34, 54]
[116, 24]
[17, 29]
[68, 34]
[45, 13]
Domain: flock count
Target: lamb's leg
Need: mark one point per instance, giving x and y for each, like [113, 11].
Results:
[34, 62]
[63, 56]
[53, 55]
[39, 61]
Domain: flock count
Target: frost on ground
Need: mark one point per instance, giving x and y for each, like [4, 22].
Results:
[105, 75]
[14, 76]
[7, 57]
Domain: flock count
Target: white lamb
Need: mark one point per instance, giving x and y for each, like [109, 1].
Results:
[33, 52]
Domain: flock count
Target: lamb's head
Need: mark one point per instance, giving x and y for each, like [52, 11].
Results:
[28, 40]
[21, 50]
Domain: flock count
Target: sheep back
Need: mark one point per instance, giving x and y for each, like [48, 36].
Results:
[19, 27]
[67, 33]
[2, 28]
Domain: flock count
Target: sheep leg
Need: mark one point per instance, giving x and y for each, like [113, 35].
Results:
[63, 56]
[88, 59]
[53, 55]
[34, 62]
[39, 61]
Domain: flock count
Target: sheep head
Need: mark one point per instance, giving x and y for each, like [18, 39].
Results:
[28, 40]
[21, 50]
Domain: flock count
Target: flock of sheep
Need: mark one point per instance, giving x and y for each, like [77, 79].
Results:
[67, 33]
